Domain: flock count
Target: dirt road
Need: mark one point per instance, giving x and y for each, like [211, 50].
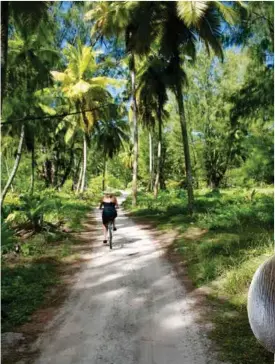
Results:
[127, 307]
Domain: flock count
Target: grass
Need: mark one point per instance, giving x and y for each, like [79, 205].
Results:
[229, 235]
[23, 290]
[27, 279]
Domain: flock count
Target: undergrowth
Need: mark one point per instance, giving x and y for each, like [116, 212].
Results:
[225, 240]
[42, 225]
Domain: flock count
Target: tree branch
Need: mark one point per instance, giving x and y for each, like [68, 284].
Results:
[30, 118]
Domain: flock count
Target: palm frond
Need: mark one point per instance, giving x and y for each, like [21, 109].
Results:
[209, 30]
[58, 76]
[191, 12]
[78, 90]
[227, 12]
[107, 81]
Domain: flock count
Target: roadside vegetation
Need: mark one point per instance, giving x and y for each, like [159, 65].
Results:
[41, 227]
[222, 244]
[172, 100]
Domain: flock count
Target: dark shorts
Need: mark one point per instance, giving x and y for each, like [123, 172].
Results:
[108, 215]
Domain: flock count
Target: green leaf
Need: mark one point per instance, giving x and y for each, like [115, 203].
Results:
[47, 109]
[107, 81]
[58, 76]
[69, 134]
[229, 14]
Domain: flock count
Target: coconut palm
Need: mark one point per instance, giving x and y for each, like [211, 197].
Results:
[174, 29]
[85, 91]
[15, 166]
[152, 96]
[131, 21]
[180, 24]
[30, 57]
[110, 136]
[27, 13]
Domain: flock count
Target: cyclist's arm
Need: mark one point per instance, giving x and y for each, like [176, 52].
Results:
[101, 204]
[116, 203]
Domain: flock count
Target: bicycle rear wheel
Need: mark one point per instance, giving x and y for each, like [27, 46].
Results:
[110, 228]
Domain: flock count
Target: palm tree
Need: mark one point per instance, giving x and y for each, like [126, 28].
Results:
[152, 96]
[29, 58]
[180, 24]
[110, 136]
[122, 19]
[85, 91]
[172, 27]
[29, 13]
[15, 166]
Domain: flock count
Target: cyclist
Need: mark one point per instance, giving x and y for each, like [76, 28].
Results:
[109, 213]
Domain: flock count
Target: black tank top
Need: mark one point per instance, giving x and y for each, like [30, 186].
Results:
[107, 206]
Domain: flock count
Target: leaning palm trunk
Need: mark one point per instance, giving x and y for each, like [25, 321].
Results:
[156, 186]
[186, 149]
[79, 179]
[75, 180]
[32, 175]
[8, 172]
[151, 161]
[135, 136]
[16, 164]
[84, 164]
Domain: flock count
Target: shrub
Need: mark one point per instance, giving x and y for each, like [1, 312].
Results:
[95, 186]
[16, 218]
[33, 209]
[171, 184]
[114, 182]
[8, 239]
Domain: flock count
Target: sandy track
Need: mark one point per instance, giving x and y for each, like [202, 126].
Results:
[127, 307]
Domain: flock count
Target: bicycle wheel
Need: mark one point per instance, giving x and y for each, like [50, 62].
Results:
[110, 228]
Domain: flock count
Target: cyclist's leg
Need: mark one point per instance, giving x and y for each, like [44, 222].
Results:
[105, 228]
[114, 221]
[105, 232]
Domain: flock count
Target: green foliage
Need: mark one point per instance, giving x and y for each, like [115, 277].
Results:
[114, 182]
[233, 335]
[23, 290]
[34, 207]
[32, 210]
[7, 238]
[26, 280]
[95, 185]
[229, 235]
[228, 109]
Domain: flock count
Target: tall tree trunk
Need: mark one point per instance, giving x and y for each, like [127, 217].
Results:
[150, 161]
[4, 45]
[156, 186]
[76, 174]
[56, 165]
[84, 164]
[33, 168]
[188, 168]
[162, 185]
[79, 179]
[67, 170]
[8, 172]
[48, 172]
[135, 132]
[15, 167]
[104, 173]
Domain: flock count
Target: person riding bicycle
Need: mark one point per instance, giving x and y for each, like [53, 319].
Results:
[109, 204]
